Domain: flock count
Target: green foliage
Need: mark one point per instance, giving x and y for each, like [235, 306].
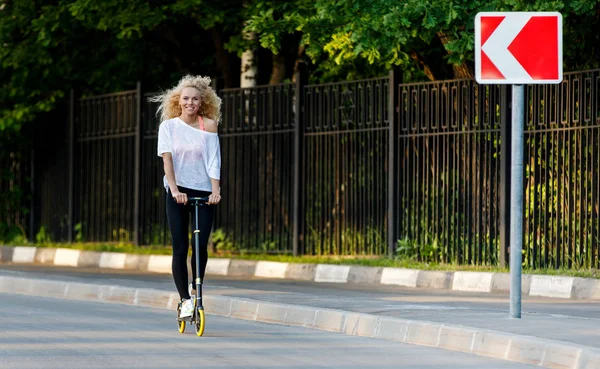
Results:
[12, 235]
[388, 34]
[346, 242]
[429, 252]
[49, 47]
[411, 34]
[128, 21]
[269, 247]
[97, 47]
[43, 237]
[156, 235]
[78, 228]
[112, 247]
[273, 20]
[121, 235]
[105, 46]
[14, 178]
[221, 241]
[560, 207]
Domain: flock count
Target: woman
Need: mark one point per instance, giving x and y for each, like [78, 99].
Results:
[189, 146]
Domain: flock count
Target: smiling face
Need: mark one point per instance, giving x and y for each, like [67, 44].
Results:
[190, 101]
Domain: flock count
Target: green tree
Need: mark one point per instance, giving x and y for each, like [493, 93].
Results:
[430, 39]
[104, 46]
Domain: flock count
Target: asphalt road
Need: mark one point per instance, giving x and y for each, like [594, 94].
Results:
[49, 333]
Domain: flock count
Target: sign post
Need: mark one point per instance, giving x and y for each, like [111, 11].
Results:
[516, 198]
[517, 48]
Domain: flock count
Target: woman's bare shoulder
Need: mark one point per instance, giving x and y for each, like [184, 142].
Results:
[210, 125]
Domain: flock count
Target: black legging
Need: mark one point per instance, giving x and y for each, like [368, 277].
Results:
[179, 221]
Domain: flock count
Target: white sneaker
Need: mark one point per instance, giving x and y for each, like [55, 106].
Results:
[187, 307]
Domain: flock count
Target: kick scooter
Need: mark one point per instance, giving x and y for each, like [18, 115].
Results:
[197, 318]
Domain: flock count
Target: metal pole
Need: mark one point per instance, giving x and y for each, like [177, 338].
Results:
[298, 225]
[394, 80]
[516, 199]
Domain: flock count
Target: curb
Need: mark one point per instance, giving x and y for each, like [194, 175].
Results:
[482, 282]
[499, 345]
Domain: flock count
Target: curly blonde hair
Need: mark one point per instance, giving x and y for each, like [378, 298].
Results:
[169, 108]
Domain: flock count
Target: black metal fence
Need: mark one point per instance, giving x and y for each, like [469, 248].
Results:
[257, 140]
[153, 221]
[562, 171]
[346, 136]
[449, 171]
[15, 174]
[362, 167]
[105, 164]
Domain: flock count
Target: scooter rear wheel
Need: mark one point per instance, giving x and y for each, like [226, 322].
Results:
[180, 323]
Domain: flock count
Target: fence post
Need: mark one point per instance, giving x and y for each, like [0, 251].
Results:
[71, 144]
[298, 200]
[505, 119]
[137, 166]
[395, 78]
[32, 189]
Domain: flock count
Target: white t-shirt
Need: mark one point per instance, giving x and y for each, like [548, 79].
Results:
[196, 154]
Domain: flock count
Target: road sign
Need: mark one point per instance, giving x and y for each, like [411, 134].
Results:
[518, 47]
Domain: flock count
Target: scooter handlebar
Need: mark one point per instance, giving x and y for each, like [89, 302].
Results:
[198, 200]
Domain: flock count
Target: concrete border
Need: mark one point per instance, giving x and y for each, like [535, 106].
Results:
[6, 253]
[482, 282]
[23, 254]
[499, 345]
[270, 269]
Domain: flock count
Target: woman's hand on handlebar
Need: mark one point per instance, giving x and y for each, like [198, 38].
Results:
[214, 198]
[179, 197]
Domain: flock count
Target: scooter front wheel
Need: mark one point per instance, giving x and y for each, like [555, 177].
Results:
[180, 323]
[200, 321]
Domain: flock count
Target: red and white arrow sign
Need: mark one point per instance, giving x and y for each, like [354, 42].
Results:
[518, 47]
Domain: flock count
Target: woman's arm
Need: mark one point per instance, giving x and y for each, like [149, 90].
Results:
[180, 197]
[215, 196]
[214, 162]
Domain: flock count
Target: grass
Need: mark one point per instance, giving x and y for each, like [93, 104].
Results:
[367, 261]
[108, 247]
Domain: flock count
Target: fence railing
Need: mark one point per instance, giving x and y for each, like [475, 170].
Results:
[257, 140]
[346, 130]
[449, 171]
[361, 167]
[15, 174]
[104, 156]
[562, 171]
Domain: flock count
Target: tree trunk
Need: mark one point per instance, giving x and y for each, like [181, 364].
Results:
[460, 71]
[249, 70]
[278, 71]
[222, 56]
[167, 33]
[463, 71]
[415, 56]
[298, 58]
